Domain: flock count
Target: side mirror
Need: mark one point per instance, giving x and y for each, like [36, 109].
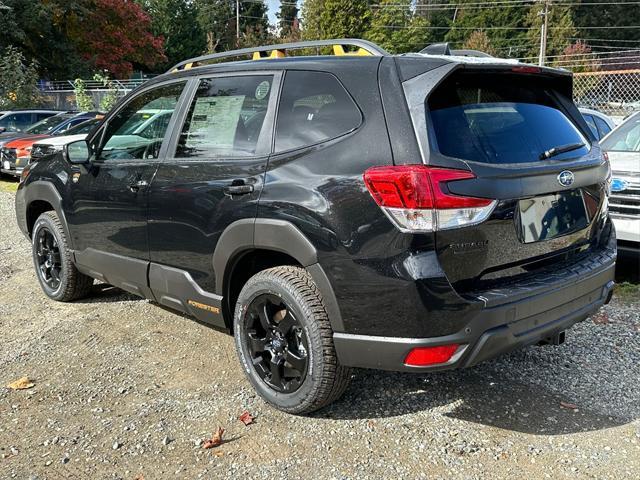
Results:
[3, 129]
[77, 152]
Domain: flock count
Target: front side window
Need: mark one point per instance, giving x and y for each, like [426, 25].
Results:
[137, 131]
[626, 138]
[314, 107]
[226, 117]
[502, 119]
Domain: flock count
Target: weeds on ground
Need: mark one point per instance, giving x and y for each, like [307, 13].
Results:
[8, 185]
[628, 292]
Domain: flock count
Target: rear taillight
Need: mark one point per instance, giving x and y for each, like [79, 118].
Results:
[416, 197]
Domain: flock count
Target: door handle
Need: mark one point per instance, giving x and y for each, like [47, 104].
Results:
[238, 189]
[134, 187]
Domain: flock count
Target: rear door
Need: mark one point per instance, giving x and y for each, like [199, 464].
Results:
[214, 171]
[530, 150]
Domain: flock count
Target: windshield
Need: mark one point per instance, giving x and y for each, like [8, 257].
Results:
[501, 118]
[626, 138]
[46, 125]
[84, 127]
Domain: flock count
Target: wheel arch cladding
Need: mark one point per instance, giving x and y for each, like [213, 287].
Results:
[278, 236]
[41, 197]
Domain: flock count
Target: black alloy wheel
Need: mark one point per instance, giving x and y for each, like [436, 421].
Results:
[48, 259]
[277, 343]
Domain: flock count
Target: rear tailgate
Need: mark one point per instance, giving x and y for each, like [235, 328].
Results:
[502, 124]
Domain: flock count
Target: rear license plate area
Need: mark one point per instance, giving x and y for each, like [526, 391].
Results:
[551, 216]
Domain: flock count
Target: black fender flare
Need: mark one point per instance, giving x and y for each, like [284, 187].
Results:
[279, 236]
[45, 192]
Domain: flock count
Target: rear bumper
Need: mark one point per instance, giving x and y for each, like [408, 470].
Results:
[526, 317]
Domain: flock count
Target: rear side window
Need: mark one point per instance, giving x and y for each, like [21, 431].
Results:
[314, 107]
[226, 117]
[501, 118]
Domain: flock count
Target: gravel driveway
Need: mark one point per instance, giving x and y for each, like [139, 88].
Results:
[127, 389]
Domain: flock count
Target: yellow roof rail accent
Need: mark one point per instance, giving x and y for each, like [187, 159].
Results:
[338, 51]
[273, 54]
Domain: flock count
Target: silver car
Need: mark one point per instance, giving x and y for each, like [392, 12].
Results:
[623, 147]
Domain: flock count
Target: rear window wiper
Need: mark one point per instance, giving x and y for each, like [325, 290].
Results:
[552, 152]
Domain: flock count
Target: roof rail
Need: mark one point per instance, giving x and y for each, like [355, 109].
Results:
[364, 47]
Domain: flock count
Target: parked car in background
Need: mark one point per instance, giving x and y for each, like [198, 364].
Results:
[623, 148]
[19, 120]
[598, 122]
[42, 149]
[16, 153]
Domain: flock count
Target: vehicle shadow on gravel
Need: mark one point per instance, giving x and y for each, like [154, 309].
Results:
[105, 293]
[473, 395]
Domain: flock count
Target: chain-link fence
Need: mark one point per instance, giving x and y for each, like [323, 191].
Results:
[615, 93]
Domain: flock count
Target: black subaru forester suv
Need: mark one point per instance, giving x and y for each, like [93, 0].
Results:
[412, 212]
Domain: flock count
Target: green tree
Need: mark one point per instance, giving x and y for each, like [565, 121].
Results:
[560, 33]
[43, 31]
[607, 15]
[502, 25]
[439, 16]
[395, 28]
[18, 80]
[310, 19]
[176, 21]
[335, 18]
[254, 19]
[287, 19]
[216, 19]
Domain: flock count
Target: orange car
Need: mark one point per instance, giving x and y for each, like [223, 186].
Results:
[16, 153]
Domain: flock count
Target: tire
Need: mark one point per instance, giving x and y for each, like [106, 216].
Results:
[324, 379]
[71, 284]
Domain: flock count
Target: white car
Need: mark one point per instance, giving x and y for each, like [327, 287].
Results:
[623, 148]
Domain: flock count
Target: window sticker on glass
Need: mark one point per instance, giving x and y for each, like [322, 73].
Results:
[215, 121]
[262, 90]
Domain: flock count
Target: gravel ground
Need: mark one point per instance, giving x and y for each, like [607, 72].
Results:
[125, 388]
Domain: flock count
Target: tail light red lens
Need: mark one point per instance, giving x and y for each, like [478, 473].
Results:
[405, 186]
[416, 197]
[424, 356]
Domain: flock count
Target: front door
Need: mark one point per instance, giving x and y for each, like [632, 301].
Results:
[214, 173]
[108, 212]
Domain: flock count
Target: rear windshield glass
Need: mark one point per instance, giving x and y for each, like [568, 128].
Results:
[626, 138]
[501, 118]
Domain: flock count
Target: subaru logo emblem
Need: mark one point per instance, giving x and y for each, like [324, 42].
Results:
[565, 178]
[618, 185]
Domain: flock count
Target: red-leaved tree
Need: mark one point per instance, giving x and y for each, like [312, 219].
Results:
[117, 35]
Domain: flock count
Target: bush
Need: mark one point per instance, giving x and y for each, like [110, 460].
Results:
[18, 80]
[84, 101]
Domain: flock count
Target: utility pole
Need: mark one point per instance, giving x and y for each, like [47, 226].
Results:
[543, 32]
[237, 19]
